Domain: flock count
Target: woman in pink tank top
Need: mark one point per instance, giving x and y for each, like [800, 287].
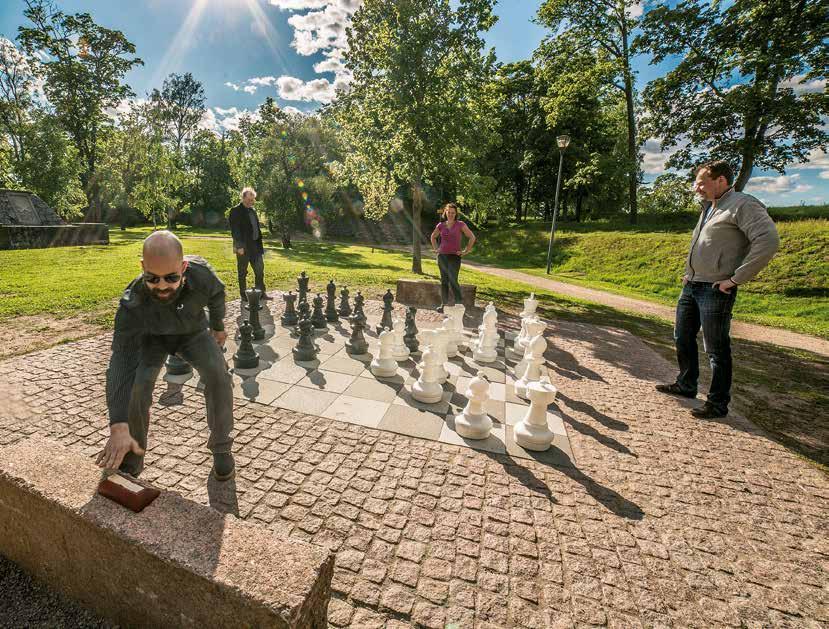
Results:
[449, 253]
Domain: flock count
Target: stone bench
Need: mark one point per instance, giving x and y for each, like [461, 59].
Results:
[426, 293]
[176, 564]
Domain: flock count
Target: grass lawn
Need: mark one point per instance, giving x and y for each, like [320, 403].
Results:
[647, 261]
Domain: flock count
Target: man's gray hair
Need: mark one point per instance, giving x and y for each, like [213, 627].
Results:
[247, 189]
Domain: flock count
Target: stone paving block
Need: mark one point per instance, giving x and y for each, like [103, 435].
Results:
[307, 401]
[413, 422]
[355, 410]
[375, 390]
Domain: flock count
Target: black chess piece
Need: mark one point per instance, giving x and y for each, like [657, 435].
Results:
[245, 357]
[302, 287]
[357, 344]
[386, 322]
[254, 306]
[305, 350]
[345, 307]
[317, 317]
[359, 300]
[304, 312]
[410, 336]
[176, 366]
[331, 314]
[289, 317]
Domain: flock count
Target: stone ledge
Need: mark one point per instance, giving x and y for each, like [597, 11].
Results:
[426, 293]
[177, 563]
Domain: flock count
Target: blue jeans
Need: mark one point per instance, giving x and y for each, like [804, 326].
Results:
[449, 266]
[703, 306]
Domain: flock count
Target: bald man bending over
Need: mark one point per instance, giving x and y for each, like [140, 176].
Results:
[161, 313]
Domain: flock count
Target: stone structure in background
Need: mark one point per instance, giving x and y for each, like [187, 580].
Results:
[26, 222]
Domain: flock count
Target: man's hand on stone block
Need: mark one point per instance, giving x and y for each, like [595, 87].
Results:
[119, 443]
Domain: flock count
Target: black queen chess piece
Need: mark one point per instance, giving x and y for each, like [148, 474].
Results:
[317, 317]
[305, 350]
[345, 307]
[410, 336]
[289, 317]
[246, 357]
[359, 300]
[331, 314]
[302, 287]
[177, 366]
[254, 296]
[356, 344]
[386, 322]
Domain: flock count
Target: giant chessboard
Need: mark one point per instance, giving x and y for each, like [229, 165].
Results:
[340, 386]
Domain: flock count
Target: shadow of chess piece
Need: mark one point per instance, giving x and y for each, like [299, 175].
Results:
[357, 344]
[386, 322]
[410, 336]
[331, 314]
[345, 307]
[245, 357]
[289, 317]
[254, 306]
[359, 300]
[317, 317]
[305, 350]
[302, 287]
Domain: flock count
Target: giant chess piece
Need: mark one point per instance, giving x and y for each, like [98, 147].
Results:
[410, 337]
[318, 317]
[305, 350]
[302, 287]
[400, 351]
[289, 317]
[384, 365]
[331, 314]
[254, 306]
[485, 350]
[457, 313]
[357, 344]
[450, 342]
[439, 347]
[427, 389]
[304, 313]
[245, 357]
[533, 432]
[535, 327]
[532, 372]
[359, 300]
[527, 315]
[385, 321]
[345, 307]
[473, 422]
[179, 371]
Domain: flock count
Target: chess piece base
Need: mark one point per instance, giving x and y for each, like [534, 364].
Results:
[356, 348]
[174, 378]
[484, 356]
[533, 437]
[473, 426]
[303, 354]
[383, 368]
[427, 392]
[401, 355]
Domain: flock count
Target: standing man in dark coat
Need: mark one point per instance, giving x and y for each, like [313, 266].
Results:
[247, 243]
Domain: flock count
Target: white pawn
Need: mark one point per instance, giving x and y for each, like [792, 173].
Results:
[535, 327]
[399, 351]
[532, 373]
[427, 389]
[473, 422]
[449, 338]
[384, 366]
[457, 313]
[533, 431]
[439, 347]
[530, 306]
[527, 314]
[484, 350]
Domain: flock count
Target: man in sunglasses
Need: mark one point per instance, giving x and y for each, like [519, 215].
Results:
[161, 313]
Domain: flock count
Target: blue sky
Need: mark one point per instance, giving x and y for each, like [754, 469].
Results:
[245, 50]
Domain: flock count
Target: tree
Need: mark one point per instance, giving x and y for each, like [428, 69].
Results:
[418, 70]
[208, 189]
[84, 69]
[604, 26]
[734, 94]
[181, 102]
[17, 83]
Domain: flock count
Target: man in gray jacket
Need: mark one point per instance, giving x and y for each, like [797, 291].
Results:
[733, 240]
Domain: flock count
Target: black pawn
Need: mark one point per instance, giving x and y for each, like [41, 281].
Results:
[357, 344]
[245, 357]
[289, 317]
[305, 349]
[254, 295]
[410, 336]
[385, 321]
[359, 300]
[177, 366]
[345, 307]
[304, 312]
[302, 287]
[317, 317]
[331, 314]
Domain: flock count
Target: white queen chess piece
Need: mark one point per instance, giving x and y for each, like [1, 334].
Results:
[533, 431]
[399, 350]
[457, 313]
[384, 366]
[473, 422]
[484, 350]
[427, 389]
[449, 338]
[535, 327]
[527, 314]
[439, 347]
[534, 361]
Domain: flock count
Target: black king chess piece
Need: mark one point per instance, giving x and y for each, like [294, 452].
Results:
[410, 336]
[254, 306]
[302, 287]
[359, 300]
[331, 314]
[289, 317]
[245, 357]
[177, 366]
[356, 344]
[317, 317]
[305, 350]
[385, 321]
[345, 307]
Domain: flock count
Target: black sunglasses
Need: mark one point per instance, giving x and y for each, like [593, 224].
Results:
[170, 278]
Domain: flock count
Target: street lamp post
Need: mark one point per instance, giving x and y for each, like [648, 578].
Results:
[563, 141]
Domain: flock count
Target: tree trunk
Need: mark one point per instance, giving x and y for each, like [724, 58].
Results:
[519, 199]
[633, 175]
[579, 200]
[417, 206]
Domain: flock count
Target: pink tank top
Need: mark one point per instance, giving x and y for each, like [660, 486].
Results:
[450, 239]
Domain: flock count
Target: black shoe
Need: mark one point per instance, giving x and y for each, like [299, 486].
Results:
[224, 467]
[675, 389]
[708, 411]
[439, 309]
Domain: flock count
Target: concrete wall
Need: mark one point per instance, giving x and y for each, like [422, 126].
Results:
[41, 236]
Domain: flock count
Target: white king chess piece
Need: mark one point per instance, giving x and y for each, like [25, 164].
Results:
[527, 314]
[449, 338]
[485, 349]
[533, 431]
[457, 313]
[439, 347]
[399, 350]
[384, 366]
[427, 389]
[534, 362]
[473, 422]
[535, 327]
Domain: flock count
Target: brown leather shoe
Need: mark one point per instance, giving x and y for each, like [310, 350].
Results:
[708, 411]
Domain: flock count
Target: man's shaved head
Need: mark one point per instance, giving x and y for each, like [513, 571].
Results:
[162, 244]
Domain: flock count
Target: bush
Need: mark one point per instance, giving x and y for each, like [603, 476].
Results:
[669, 194]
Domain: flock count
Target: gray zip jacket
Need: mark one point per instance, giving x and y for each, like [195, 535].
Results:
[735, 241]
[139, 314]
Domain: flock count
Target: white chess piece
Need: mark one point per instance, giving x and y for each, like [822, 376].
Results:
[384, 366]
[534, 328]
[427, 389]
[457, 313]
[449, 337]
[533, 431]
[535, 359]
[527, 314]
[485, 350]
[439, 347]
[473, 422]
[399, 352]
[530, 306]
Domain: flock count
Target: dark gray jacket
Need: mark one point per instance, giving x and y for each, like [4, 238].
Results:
[139, 314]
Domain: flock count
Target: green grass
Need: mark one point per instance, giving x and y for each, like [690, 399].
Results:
[647, 262]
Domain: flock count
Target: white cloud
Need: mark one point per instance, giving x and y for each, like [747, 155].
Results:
[780, 184]
[293, 111]
[235, 87]
[824, 174]
[815, 160]
[799, 86]
[292, 88]
[635, 10]
[654, 157]
[249, 89]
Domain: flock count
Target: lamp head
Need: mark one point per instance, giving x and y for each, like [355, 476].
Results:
[563, 141]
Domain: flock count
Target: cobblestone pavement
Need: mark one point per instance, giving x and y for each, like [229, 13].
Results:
[666, 521]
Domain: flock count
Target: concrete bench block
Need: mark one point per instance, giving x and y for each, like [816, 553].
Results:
[176, 564]
[426, 293]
